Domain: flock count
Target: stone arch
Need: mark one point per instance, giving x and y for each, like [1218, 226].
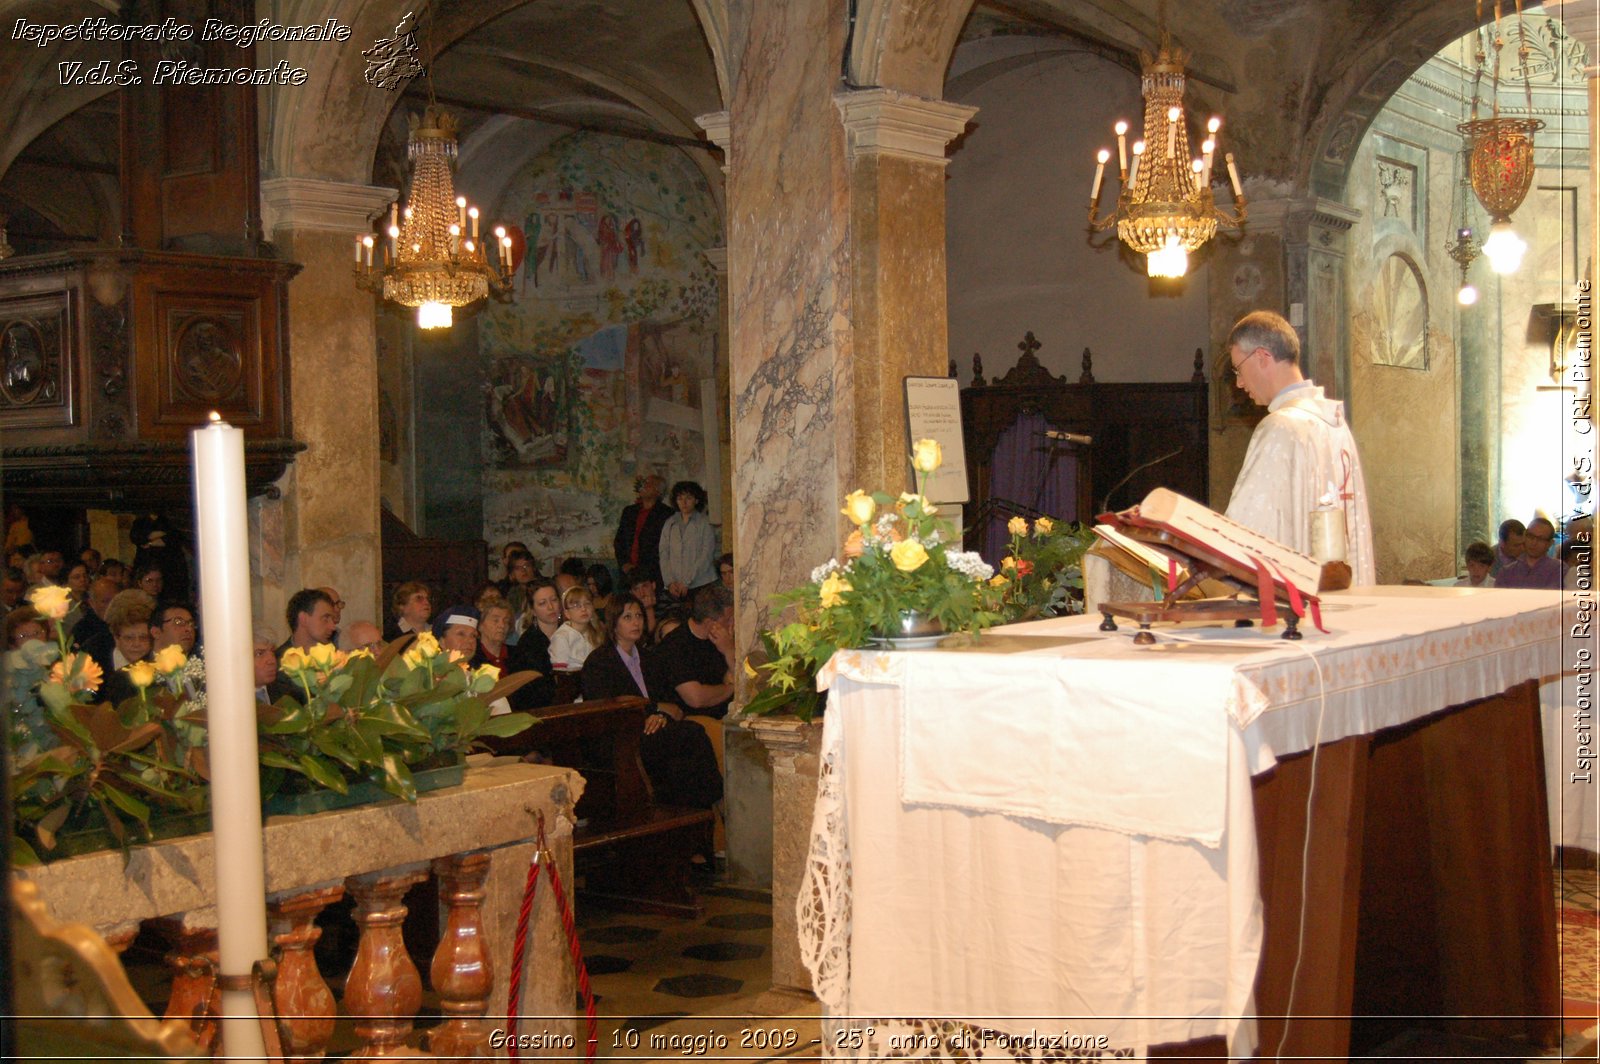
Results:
[905, 44]
[1371, 77]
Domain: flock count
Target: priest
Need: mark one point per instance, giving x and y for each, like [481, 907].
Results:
[1302, 455]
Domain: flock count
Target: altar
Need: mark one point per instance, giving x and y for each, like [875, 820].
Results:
[1055, 843]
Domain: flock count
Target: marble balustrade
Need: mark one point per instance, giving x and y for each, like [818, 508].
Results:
[475, 840]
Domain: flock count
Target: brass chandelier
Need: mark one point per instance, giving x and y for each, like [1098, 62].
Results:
[1501, 152]
[1165, 207]
[433, 258]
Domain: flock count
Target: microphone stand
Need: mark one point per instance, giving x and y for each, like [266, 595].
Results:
[1105, 501]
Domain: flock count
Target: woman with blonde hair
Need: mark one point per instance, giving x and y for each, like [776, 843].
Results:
[579, 632]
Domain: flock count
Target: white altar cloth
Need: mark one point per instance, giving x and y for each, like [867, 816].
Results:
[960, 908]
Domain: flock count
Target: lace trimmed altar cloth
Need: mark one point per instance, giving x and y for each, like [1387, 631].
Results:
[940, 898]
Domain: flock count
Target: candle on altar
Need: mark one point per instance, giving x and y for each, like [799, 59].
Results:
[221, 533]
[1099, 174]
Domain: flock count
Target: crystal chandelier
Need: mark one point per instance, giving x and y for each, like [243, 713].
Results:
[1165, 208]
[434, 259]
[1501, 166]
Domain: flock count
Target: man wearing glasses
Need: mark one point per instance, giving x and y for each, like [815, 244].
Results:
[1302, 455]
[1535, 569]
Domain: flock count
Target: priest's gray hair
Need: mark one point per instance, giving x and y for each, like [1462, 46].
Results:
[1263, 328]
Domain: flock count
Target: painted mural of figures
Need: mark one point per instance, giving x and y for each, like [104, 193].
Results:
[633, 233]
[523, 412]
[531, 225]
[579, 251]
[610, 246]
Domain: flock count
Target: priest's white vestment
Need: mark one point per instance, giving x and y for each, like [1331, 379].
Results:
[1302, 447]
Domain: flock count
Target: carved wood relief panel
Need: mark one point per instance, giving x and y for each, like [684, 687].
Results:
[36, 361]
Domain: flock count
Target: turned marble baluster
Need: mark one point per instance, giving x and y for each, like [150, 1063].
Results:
[462, 973]
[196, 997]
[384, 989]
[300, 995]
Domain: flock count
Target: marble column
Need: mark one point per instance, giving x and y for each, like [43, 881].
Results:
[324, 529]
[1581, 20]
[793, 753]
[895, 149]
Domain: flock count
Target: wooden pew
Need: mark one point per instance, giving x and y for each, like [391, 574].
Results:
[626, 846]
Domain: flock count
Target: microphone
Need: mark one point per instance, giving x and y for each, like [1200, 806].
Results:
[1069, 437]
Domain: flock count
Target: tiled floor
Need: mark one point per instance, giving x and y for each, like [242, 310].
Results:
[670, 987]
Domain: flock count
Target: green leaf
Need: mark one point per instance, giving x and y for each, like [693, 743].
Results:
[127, 803]
[397, 779]
[22, 855]
[277, 759]
[322, 773]
[507, 724]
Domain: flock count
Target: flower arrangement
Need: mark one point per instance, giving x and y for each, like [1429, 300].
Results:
[128, 769]
[81, 765]
[1042, 569]
[377, 718]
[900, 560]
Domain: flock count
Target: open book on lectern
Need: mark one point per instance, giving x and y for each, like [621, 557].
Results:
[1199, 544]
[1191, 522]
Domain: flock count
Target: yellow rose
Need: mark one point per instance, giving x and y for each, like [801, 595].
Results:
[413, 658]
[142, 673]
[926, 455]
[488, 672]
[170, 659]
[88, 672]
[998, 581]
[1043, 527]
[1017, 526]
[321, 656]
[907, 555]
[426, 645]
[51, 601]
[833, 589]
[1008, 563]
[294, 660]
[361, 653]
[859, 507]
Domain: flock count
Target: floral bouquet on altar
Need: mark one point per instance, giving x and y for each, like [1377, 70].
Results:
[902, 577]
[83, 769]
[1043, 569]
[378, 718]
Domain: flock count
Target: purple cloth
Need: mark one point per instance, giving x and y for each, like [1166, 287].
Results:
[631, 660]
[1544, 574]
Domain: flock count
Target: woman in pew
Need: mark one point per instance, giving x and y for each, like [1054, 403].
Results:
[676, 753]
[493, 628]
[532, 651]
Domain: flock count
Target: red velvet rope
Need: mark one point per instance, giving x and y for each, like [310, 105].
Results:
[542, 855]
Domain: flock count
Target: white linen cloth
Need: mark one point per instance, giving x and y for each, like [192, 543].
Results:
[1568, 706]
[954, 909]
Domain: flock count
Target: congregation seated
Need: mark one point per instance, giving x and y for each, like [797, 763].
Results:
[1509, 547]
[1535, 569]
[643, 583]
[677, 754]
[1479, 559]
[129, 619]
[23, 624]
[579, 633]
[537, 624]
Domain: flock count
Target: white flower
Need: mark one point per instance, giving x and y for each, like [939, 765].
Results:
[969, 564]
[820, 573]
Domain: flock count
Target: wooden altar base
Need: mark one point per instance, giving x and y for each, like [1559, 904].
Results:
[1429, 888]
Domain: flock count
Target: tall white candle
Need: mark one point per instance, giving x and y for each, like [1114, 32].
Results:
[221, 532]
